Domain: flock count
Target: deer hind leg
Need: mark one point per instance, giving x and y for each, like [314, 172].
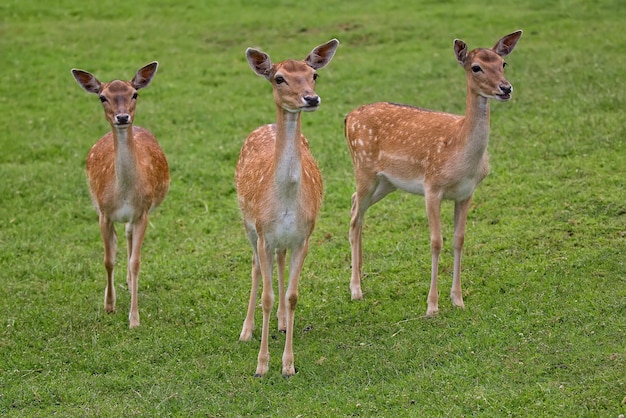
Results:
[365, 196]
[295, 268]
[248, 323]
[433, 210]
[460, 218]
[356, 227]
[282, 308]
[135, 233]
[266, 260]
[109, 237]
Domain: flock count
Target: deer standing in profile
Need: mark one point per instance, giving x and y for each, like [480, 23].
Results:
[128, 176]
[434, 154]
[279, 189]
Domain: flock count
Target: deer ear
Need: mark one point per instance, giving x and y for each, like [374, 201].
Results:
[460, 50]
[505, 45]
[87, 81]
[259, 62]
[322, 54]
[144, 75]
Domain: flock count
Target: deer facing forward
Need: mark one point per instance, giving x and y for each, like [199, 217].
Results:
[279, 189]
[128, 176]
[434, 154]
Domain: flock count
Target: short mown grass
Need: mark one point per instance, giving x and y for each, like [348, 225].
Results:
[544, 273]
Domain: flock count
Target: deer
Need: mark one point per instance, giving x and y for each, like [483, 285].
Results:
[128, 176]
[434, 154]
[279, 191]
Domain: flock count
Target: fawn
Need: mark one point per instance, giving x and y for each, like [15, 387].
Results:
[434, 154]
[128, 176]
[279, 189]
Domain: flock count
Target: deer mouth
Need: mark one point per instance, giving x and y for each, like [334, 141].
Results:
[310, 108]
[503, 97]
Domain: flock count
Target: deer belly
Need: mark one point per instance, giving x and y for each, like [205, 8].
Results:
[124, 213]
[287, 231]
[461, 190]
[409, 185]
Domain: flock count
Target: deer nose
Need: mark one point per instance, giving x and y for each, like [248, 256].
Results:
[312, 100]
[506, 88]
[122, 118]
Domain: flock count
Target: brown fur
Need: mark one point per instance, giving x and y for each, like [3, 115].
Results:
[255, 191]
[149, 192]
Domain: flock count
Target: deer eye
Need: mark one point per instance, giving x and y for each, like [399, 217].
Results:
[315, 76]
[504, 64]
[103, 99]
[280, 79]
[476, 68]
[135, 96]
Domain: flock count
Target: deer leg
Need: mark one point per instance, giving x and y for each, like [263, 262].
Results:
[248, 323]
[129, 250]
[136, 231]
[282, 309]
[433, 210]
[295, 268]
[267, 301]
[109, 237]
[460, 218]
[364, 197]
[356, 227]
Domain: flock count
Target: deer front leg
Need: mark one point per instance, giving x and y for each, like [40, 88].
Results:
[460, 219]
[433, 210]
[248, 323]
[295, 268]
[109, 238]
[282, 309]
[135, 232]
[267, 301]
[129, 251]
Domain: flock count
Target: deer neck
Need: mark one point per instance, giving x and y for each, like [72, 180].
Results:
[287, 157]
[476, 125]
[125, 157]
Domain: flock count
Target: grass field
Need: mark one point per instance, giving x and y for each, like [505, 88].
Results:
[544, 274]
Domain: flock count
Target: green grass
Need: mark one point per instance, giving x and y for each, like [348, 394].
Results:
[544, 269]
